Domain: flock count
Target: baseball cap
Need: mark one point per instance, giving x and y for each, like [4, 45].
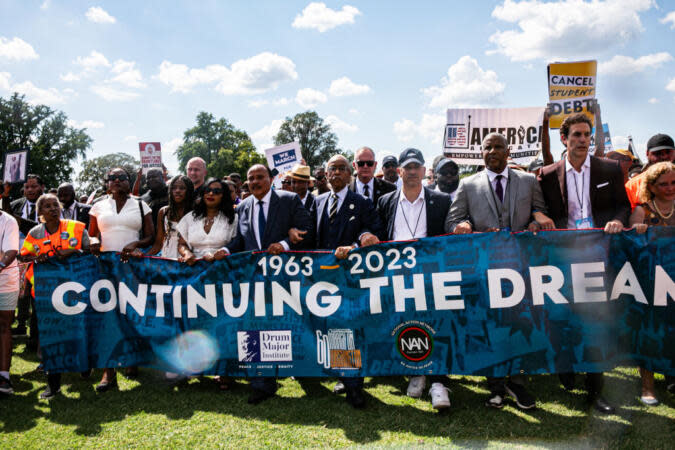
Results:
[446, 162]
[660, 142]
[411, 155]
[389, 159]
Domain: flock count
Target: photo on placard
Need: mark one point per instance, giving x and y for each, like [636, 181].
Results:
[15, 166]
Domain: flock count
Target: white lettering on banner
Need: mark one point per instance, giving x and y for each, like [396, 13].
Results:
[442, 292]
[626, 282]
[581, 283]
[281, 296]
[332, 301]
[228, 300]
[497, 299]
[207, 302]
[552, 288]
[664, 287]
[136, 301]
[94, 296]
[159, 290]
[416, 292]
[374, 285]
[60, 292]
[177, 302]
[259, 299]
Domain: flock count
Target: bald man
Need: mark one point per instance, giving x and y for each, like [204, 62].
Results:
[196, 172]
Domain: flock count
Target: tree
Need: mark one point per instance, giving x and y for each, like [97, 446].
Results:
[93, 172]
[317, 142]
[224, 148]
[53, 144]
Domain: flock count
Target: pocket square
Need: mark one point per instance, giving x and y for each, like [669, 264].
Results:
[352, 218]
[602, 184]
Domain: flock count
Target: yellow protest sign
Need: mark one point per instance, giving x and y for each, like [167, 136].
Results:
[571, 88]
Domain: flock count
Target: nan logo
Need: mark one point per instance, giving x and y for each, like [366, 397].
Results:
[264, 346]
[414, 343]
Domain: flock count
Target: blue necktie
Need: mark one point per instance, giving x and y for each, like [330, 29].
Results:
[261, 222]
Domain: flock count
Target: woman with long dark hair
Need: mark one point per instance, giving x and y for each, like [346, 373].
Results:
[181, 201]
[212, 225]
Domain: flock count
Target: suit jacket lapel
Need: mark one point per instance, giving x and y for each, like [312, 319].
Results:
[592, 189]
[562, 182]
[250, 211]
[489, 195]
[343, 212]
[320, 207]
[392, 214]
[512, 186]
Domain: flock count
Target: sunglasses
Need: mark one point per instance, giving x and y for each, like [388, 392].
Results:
[215, 191]
[365, 163]
[118, 178]
[338, 169]
[286, 182]
[321, 178]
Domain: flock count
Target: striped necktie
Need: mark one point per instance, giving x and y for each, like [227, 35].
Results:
[332, 212]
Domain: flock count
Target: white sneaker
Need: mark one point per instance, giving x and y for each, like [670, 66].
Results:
[439, 396]
[416, 386]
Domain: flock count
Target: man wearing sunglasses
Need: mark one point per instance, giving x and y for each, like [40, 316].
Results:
[447, 177]
[365, 182]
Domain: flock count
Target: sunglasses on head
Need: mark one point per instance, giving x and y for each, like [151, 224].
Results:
[215, 191]
[365, 163]
[121, 177]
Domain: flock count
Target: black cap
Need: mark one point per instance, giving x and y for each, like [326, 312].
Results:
[446, 162]
[660, 142]
[389, 159]
[411, 155]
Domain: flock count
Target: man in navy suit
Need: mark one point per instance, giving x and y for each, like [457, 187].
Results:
[414, 212]
[344, 220]
[265, 218]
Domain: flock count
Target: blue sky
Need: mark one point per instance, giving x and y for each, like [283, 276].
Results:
[382, 74]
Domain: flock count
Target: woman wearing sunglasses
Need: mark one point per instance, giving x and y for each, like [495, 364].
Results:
[119, 223]
[181, 202]
[53, 237]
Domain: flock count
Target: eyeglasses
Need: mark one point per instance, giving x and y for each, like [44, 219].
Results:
[388, 165]
[286, 182]
[338, 169]
[122, 177]
[215, 191]
[365, 163]
[320, 178]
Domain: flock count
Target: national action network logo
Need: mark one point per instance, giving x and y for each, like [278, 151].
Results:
[265, 346]
[415, 343]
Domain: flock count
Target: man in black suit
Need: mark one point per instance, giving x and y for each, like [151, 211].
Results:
[300, 177]
[344, 220]
[72, 209]
[582, 191]
[414, 212]
[265, 218]
[365, 182]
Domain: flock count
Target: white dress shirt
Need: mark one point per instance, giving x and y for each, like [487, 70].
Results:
[578, 193]
[341, 198]
[492, 176]
[26, 210]
[371, 188]
[71, 212]
[411, 218]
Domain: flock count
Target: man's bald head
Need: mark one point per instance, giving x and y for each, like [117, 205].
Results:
[196, 171]
[66, 194]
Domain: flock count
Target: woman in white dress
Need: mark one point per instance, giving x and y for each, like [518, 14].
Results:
[119, 223]
[211, 226]
[181, 200]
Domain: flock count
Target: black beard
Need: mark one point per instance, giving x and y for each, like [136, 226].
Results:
[448, 188]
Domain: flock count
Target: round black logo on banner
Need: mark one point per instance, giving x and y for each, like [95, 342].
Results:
[414, 343]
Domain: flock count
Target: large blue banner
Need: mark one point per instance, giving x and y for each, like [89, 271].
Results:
[481, 304]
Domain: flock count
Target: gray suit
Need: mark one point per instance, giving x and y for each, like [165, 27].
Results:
[476, 203]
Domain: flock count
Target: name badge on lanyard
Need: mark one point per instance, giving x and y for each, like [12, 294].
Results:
[586, 222]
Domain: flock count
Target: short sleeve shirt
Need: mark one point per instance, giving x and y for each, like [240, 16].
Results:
[9, 240]
[119, 229]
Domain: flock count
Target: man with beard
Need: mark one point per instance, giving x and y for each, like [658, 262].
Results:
[157, 195]
[447, 177]
[390, 171]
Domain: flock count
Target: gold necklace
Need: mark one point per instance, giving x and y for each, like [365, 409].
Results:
[658, 211]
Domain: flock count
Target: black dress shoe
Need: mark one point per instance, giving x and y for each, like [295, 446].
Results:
[257, 396]
[355, 397]
[339, 388]
[601, 405]
[104, 386]
[50, 392]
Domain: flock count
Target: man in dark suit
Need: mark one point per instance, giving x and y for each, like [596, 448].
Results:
[414, 212]
[582, 191]
[499, 198]
[72, 209]
[344, 220]
[365, 182]
[300, 178]
[265, 218]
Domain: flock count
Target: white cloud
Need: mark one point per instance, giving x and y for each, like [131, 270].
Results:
[669, 19]
[93, 61]
[70, 76]
[319, 17]
[97, 14]
[566, 29]
[34, 94]
[112, 94]
[671, 85]
[16, 49]
[259, 103]
[255, 75]
[467, 85]
[46, 4]
[131, 138]
[127, 74]
[430, 128]
[340, 125]
[283, 101]
[653, 100]
[621, 65]
[344, 86]
[264, 137]
[309, 98]
[90, 124]
[169, 158]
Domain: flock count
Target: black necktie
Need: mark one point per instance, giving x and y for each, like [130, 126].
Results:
[31, 212]
[333, 208]
[261, 222]
[366, 191]
[499, 190]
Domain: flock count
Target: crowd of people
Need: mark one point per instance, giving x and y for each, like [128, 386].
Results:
[340, 206]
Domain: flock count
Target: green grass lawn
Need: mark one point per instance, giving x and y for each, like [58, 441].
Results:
[148, 412]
